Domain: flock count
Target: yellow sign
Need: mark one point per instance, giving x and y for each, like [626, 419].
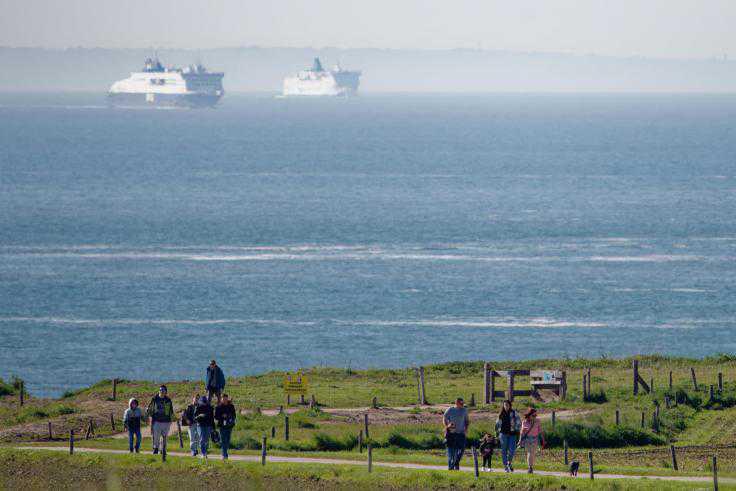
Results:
[296, 383]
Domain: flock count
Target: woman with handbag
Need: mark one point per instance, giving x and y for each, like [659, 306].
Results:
[531, 434]
[204, 418]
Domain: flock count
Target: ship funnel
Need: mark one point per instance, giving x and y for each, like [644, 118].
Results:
[317, 66]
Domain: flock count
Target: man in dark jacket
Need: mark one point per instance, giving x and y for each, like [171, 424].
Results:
[161, 412]
[225, 416]
[204, 418]
[214, 381]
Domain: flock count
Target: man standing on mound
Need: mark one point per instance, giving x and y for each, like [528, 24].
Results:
[214, 381]
[456, 424]
[161, 412]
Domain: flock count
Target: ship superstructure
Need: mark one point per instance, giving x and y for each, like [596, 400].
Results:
[156, 85]
[318, 81]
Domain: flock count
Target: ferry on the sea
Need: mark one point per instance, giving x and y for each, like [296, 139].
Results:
[156, 85]
[318, 81]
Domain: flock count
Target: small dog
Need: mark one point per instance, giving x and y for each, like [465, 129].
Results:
[574, 466]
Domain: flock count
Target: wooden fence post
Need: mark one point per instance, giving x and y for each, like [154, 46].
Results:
[263, 451]
[643, 418]
[419, 386]
[674, 457]
[288, 400]
[178, 430]
[472, 399]
[635, 366]
[590, 380]
[720, 382]
[493, 386]
[670, 379]
[590, 464]
[365, 424]
[313, 402]
[651, 384]
[273, 432]
[51, 436]
[695, 380]
[374, 403]
[486, 383]
[712, 393]
[563, 386]
[71, 442]
[360, 442]
[554, 418]
[585, 387]
[618, 417]
[421, 381]
[22, 391]
[114, 389]
[715, 473]
[564, 444]
[475, 461]
[286, 427]
[370, 458]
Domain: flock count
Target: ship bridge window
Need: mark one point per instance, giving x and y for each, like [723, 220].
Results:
[157, 81]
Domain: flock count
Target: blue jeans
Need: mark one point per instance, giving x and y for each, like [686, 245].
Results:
[137, 434]
[204, 437]
[455, 450]
[194, 438]
[508, 448]
[225, 434]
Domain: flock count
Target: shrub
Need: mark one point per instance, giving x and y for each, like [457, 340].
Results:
[598, 397]
[6, 389]
[329, 443]
[596, 436]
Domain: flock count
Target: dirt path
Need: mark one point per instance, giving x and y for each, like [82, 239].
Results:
[402, 465]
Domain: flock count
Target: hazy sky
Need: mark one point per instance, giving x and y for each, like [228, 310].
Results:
[662, 28]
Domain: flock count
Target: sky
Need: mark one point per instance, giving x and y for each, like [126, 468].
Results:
[648, 28]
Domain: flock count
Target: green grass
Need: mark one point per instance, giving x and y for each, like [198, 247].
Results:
[43, 469]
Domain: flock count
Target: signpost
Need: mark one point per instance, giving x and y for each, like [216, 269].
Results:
[296, 384]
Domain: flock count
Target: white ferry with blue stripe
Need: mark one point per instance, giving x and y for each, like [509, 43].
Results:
[156, 85]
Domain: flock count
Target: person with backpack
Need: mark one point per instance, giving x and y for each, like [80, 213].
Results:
[225, 416]
[508, 425]
[161, 412]
[214, 381]
[187, 419]
[204, 418]
[487, 444]
[132, 422]
[531, 434]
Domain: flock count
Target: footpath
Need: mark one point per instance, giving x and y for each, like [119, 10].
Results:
[401, 465]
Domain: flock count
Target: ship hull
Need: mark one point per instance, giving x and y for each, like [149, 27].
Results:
[129, 99]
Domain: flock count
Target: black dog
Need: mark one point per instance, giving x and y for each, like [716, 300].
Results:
[574, 466]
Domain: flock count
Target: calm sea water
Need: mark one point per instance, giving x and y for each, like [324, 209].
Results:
[378, 231]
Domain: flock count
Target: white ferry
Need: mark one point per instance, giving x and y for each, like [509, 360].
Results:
[318, 81]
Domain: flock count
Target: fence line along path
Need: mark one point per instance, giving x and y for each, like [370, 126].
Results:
[397, 465]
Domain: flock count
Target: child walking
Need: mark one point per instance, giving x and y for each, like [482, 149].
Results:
[487, 444]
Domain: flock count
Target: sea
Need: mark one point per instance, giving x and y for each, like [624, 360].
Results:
[386, 230]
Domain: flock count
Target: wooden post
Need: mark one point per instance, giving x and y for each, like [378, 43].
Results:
[487, 383]
[51, 436]
[273, 432]
[286, 427]
[695, 381]
[89, 429]
[567, 460]
[419, 386]
[712, 393]
[71, 442]
[421, 381]
[643, 418]
[313, 402]
[493, 386]
[715, 473]
[590, 380]
[360, 442]
[281, 410]
[563, 386]
[178, 430]
[667, 401]
[510, 395]
[112, 422]
[288, 400]
[365, 424]
[651, 385]
[114, 389]
[472, 399]
[263, 451]
[370, 458]
[22, 391]
[585, 387]
[655, 422]
[670, 379]
[618, 417]
[475, 462]
[720, 382]
[590, 464]
[674, 457]
[554, 418]
[374, 403]
[635, 366]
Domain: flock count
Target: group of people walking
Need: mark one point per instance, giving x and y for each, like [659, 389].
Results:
[511, 432]
[204, 423]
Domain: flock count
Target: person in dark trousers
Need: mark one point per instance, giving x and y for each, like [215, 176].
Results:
[132, 422]
[225, 416]
[214, 381]
[456, 422]
[487, 444]
[204, 417]
[187, 419]
[161, 412]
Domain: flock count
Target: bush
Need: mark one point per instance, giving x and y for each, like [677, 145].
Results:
[425, 441]
[598, 397]
[595, 436]
[328, 443]
[6, 389]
